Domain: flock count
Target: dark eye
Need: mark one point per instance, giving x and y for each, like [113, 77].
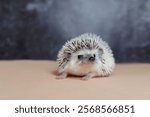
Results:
[80, 57]
[94, 55]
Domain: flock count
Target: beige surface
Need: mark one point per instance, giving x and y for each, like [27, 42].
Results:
[36, 80]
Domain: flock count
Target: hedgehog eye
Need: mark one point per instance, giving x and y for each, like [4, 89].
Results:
[68, 55]
[80, 57]
[94, 55]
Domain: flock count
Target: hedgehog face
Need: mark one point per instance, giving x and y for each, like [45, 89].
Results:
[85, 56]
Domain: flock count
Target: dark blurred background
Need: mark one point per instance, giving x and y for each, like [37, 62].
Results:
[37, 29]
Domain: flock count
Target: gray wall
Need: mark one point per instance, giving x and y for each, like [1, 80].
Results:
[36, 29]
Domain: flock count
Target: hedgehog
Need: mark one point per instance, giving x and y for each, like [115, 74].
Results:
[86, 56]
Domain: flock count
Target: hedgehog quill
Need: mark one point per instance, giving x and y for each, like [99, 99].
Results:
[87, 56]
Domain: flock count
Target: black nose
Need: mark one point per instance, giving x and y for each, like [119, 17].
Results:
[92, 58]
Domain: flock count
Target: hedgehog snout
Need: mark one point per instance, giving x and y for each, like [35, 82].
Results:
[92, 58]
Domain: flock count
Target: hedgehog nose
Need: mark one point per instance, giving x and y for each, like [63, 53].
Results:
[92, 58]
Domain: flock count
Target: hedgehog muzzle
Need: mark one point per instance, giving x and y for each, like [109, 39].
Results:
[92, 58]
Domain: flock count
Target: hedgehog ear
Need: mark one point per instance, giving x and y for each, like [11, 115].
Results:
[67, 54]
[100, 51]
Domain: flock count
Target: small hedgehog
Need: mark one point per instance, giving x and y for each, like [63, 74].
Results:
[86, 55]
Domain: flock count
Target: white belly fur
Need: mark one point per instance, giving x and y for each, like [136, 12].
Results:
[81, 70]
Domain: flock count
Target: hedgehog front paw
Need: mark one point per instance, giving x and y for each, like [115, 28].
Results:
[61, 76]
[88, 76]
